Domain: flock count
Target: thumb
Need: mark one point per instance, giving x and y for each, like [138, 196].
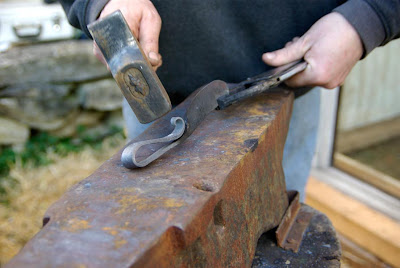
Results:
[295, 50]
[150, 26]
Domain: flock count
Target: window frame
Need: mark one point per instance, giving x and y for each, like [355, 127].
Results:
[323, 169]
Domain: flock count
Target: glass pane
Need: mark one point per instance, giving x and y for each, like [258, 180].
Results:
[367, 143]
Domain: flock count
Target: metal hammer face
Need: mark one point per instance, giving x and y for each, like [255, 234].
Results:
[130, 68]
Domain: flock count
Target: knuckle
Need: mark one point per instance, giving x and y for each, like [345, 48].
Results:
[153, 17]
[151, 13]
[304, 40]
[303, 43]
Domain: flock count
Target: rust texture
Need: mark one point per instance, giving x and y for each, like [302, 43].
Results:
[204, 203]
[289, 234]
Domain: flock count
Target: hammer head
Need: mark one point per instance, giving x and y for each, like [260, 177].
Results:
[130, 68]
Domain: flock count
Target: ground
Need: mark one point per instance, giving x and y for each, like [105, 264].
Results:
[38, 188]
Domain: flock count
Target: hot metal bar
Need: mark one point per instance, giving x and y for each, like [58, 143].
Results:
[205, 203]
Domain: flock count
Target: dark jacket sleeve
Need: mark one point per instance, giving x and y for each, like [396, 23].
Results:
[80, 13]
[376, 21]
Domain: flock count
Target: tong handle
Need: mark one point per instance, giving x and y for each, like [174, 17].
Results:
[262, 83]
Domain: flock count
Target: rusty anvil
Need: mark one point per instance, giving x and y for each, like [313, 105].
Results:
[206, 203]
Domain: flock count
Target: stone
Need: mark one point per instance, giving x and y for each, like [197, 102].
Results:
[115, 119]
[36, 90]
[84, 118]
[110, 120]
[40, 106]
[103, 95]
[65, 61]
[13, 132]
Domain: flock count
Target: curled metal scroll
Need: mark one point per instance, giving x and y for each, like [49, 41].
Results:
[185, 119]
[129, 154]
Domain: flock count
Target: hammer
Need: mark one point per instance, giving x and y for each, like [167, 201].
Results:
[130, 68]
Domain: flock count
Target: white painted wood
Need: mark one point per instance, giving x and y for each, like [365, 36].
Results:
[326, 128]
[359, 190]
[371, 93]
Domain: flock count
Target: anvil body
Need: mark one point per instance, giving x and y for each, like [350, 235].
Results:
[204, 203]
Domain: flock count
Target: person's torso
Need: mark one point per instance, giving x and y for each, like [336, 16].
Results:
[201, 41]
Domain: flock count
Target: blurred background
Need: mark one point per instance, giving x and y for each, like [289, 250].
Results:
[355, 178]
[60, 115]
[60, 118]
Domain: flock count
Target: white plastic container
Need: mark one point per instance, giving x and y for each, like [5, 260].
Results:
[33, 22]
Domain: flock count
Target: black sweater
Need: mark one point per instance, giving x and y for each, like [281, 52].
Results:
[224, 39]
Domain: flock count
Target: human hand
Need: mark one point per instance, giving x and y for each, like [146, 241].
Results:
[331, 47]
[144, 22]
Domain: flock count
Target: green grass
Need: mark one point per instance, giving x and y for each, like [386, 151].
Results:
[35, 152]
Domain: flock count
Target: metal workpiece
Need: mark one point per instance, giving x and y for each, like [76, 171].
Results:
[130, 68]
[129, 154]
[204, 205]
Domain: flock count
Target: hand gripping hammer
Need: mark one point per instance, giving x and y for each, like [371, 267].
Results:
[130, 68]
